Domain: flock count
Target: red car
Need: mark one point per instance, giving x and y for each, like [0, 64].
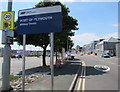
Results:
[13, 56]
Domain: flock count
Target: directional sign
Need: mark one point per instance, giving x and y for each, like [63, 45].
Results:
[7, 21]
[40, 20]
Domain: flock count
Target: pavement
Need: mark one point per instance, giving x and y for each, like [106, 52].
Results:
[32, 65]
[63, 77]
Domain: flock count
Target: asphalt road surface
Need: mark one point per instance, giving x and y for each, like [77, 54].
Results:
[95, 79]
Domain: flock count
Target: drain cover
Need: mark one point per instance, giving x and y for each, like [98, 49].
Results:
[102, 68]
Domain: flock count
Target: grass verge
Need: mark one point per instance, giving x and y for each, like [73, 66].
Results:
[12, 77]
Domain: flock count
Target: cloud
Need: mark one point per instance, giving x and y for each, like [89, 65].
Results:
[87, 38]
[15, 46]
[83, 39]
[80, 39]
[115, 35]
[116, 25]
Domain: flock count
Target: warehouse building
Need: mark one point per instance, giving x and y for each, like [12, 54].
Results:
[107, 46]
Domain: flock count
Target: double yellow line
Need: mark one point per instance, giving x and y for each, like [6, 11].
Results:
[81, 80]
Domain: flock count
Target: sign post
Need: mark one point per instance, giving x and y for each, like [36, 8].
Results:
[6, 25]
[51, 59]
[36, 21]
[23, 65]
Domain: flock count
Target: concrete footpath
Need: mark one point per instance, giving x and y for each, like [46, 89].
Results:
[63, 78]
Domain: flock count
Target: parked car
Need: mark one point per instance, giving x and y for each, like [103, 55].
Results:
[18, 56]
[81, 54]
[89, 53]
[13, 56]
[111, 55]
[105, 55]
[95, 54]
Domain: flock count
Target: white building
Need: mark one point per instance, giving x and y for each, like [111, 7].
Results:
[87, 48]
[118, 49]
[107, 45]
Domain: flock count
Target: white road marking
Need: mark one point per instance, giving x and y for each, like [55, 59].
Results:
[98, 67]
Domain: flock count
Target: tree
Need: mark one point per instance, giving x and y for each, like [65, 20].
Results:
[61, 38]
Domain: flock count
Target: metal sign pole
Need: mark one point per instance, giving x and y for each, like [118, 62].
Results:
[6, 59]
[51, 59]
[23, 65]
[6, 67]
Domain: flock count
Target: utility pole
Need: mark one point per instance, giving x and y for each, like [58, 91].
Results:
[6, 58]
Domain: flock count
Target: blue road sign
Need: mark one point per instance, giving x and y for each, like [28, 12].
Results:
[40, 20]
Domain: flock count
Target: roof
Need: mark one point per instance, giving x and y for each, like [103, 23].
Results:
[111, 39]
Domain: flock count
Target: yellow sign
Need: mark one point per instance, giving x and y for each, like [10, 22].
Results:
[7, 20]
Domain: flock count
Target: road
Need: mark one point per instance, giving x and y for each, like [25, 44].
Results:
[98, 80]
[88, 77]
